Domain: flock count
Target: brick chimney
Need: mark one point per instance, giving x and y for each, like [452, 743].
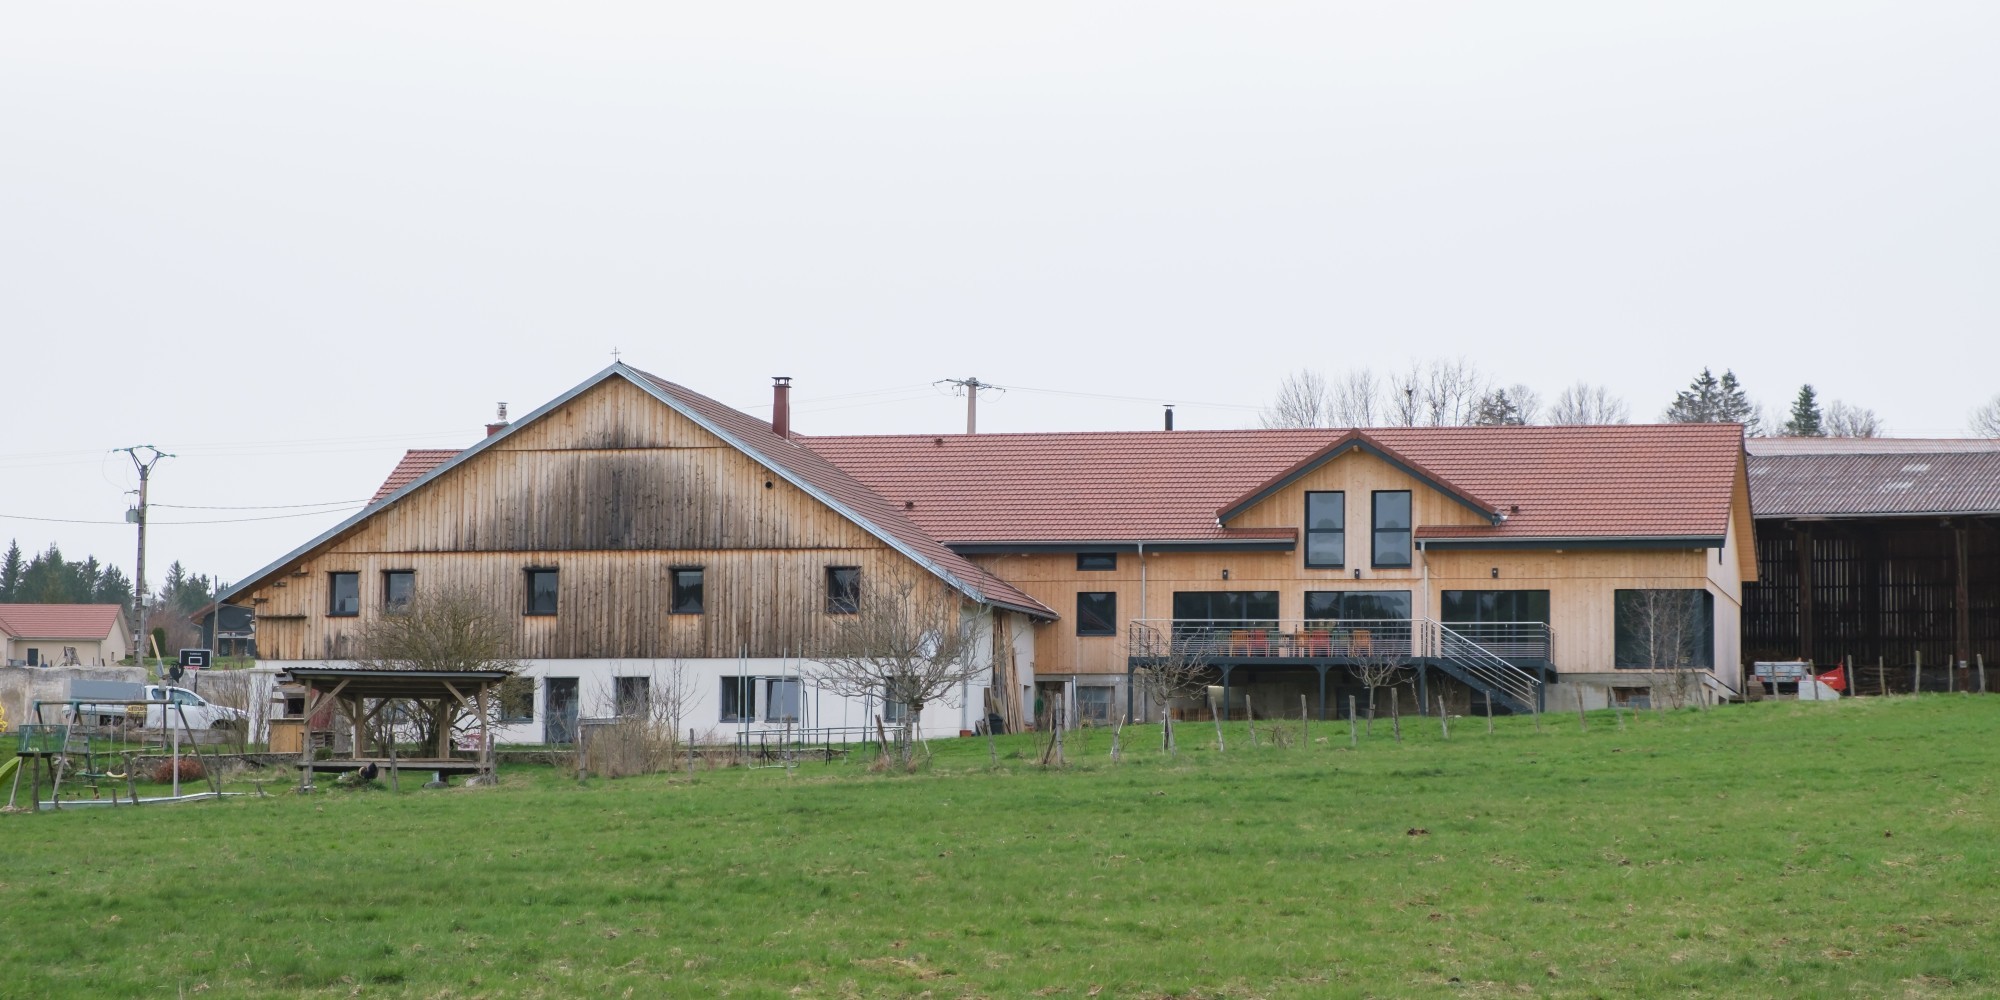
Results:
[499, 423]
[781, 405]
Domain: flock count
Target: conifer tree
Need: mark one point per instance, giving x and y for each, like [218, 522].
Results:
[1805, 420]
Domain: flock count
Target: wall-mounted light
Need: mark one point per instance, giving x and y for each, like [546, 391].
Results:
[1496, 572]
[1357, 573]
[1225, 574]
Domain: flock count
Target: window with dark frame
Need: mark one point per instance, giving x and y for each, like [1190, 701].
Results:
[1093, 703]
[1392, 528]
[1096, 561]
[1097, 613]
[517, 699]
[633, 696]
[343, 594]
[398, 587]
[687, 591]
[542, 591]
[739, 699]
[1326, 530]
[781, 699]
[1364, 605]
[1494, 606]
[843, 590]
[1663, 629]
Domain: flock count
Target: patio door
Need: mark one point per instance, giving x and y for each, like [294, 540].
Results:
[559, 703]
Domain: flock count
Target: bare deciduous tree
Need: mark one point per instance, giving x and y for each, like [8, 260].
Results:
[1169, 671]
[1303, 401]
[1985, 421]
[1375, 670]
[1442, 393]
[910, 641]
[648, 736]
[1843, 421]
[447, 628]
[1356, 400]
[1584, 404]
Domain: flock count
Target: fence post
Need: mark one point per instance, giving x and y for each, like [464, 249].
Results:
[1917, 674]
[1489, 712]
[1981, 657]
[1444, 720]
[1351, 739]
[1582, 723]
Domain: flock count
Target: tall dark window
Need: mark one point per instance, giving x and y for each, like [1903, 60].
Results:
[343, 594]
[1326, 530]
[1096, 560]
[1484, 606]
[541, 592]
[1327, 605]
[687, 591]
[1097, 614]
[843, 590]
[739, 699]
[1248, 606]
[1663, 628]
[632, 695]
[1392, 528]
[398, 587]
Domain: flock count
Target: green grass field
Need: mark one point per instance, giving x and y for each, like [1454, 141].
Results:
[1761, 850]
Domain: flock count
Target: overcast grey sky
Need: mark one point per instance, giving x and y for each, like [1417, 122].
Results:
[288, 241]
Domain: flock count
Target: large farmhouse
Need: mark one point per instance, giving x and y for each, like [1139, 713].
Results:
[638, 527]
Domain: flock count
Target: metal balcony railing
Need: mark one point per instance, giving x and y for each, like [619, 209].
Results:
[1480, 654]
[1220, 638]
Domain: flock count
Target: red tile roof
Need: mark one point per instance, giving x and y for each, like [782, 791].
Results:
[1655, 481]
[59, 621]
[790, 456]
[1834, 477]
[415, 464]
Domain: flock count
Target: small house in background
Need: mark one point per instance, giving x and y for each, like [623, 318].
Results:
[237, 635]
[59, 635]
[1879, 549]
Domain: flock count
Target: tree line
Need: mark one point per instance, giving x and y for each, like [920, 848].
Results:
[50, 578]
[1455, 393]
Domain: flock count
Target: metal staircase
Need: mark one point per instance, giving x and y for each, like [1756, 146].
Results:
[1481, 669]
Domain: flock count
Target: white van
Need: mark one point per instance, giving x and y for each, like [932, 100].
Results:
[199, 712]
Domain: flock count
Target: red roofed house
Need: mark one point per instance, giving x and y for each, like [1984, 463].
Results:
[55, 635]
[1528, 564]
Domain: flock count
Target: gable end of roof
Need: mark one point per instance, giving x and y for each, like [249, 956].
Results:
[1354, 440]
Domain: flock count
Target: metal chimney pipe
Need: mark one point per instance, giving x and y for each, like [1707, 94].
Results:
[1170, 416]
[781, 405]
[500, 422]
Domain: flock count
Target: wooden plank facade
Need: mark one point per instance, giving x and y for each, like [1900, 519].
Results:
[614, 491]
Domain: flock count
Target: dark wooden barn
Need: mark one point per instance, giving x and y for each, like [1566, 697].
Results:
[1878, 550]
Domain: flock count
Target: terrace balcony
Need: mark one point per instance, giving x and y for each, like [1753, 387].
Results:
[1507, 660]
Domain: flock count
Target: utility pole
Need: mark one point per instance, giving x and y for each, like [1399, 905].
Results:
[971, 387]
[137, 515]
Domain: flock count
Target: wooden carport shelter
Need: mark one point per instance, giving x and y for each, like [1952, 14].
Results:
[363, 694]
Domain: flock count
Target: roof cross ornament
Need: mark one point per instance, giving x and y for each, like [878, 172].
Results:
[615, 357]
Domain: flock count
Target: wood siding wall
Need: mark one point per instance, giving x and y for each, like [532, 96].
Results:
[1581, 583]
[613, 491]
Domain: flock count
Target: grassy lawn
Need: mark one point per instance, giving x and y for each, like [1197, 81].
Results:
[1772, 849]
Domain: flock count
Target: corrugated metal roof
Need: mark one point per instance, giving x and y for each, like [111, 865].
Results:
[1853, 477]
[1632, 481]
[59, 621]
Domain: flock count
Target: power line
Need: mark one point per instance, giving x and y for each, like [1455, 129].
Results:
[266, 506]
[226, 520]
